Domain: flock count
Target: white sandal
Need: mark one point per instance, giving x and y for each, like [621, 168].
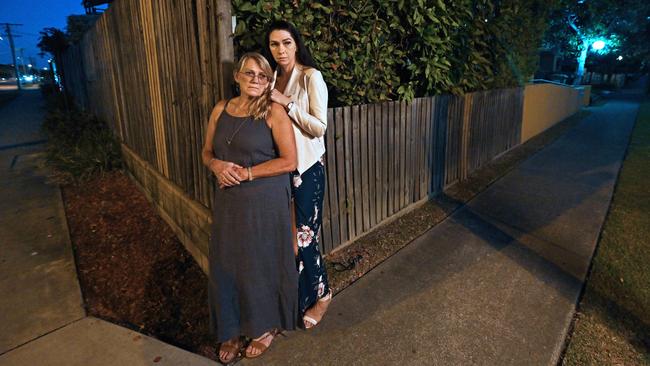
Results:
[313, 321]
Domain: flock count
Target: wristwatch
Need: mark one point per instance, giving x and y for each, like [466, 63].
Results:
[289, 106]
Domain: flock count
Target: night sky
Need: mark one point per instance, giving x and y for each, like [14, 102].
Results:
[34, 15]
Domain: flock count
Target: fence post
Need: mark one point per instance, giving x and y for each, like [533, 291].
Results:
[226, 48]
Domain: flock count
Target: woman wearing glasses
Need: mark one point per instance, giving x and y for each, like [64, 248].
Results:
[300, 88]
[250, 148]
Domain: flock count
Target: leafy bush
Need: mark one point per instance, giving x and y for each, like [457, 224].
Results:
[378, 50]
[79, 145]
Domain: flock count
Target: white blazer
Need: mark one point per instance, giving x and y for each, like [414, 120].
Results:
[307, 89]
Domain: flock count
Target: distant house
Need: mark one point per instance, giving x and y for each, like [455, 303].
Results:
[548, 61]
[552, 66]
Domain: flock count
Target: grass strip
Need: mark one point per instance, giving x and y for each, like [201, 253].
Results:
[612, 325]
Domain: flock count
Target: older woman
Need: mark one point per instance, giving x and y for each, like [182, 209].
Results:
[300, 88]
[250, 148]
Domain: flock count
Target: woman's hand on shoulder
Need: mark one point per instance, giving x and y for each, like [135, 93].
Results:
[280, 98]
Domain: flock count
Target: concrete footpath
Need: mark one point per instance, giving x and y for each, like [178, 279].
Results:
[497, 282]
[42, 317]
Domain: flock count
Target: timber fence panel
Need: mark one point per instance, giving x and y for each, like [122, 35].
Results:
[372, 168]
[399, 128]
[340, 175]
[385, 165]
[150, 69]
[357, 205]
[365, 185]
[454, 137]
[425, 147]
[437, 138]
[348, 156]
[332, 188]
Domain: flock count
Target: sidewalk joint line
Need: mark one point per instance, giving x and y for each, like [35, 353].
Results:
[43, 335]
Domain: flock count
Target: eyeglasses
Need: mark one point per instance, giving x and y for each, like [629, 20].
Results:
[250, 75]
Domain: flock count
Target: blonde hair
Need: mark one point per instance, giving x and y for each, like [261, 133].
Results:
[260, 106]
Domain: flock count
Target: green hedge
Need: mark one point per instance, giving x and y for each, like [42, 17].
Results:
[376, 50]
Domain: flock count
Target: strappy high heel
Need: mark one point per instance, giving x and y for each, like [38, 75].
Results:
[314, 322]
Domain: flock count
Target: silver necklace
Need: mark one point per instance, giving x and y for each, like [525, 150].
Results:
[229, 140]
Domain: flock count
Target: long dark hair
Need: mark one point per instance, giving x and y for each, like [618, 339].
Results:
[302, 55]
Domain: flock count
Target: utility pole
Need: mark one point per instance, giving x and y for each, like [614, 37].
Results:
[23, 71]
[22, 61]
[13, 51]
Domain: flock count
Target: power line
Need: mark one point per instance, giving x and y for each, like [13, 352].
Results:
[25, 34]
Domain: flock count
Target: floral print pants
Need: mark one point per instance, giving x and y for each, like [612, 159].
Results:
[308, 193]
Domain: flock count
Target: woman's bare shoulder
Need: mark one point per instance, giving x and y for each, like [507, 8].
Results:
[217, 109]
[277, 113]
[277, 108]
[220, 105]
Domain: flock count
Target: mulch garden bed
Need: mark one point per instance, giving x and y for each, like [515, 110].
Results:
[134, 272]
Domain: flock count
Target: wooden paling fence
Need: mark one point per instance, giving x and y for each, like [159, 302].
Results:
[383, 158]
[154, 70]
[481, 126]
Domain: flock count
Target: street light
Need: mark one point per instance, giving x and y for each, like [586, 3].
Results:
[598, 45]
[619, 58]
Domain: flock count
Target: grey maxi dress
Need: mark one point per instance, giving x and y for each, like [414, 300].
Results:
[253, 281]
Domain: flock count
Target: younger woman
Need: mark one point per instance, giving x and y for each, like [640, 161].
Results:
[300, 88]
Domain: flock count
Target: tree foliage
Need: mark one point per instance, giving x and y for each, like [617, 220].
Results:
[376, 50]
[52, 41]
[623, 24]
